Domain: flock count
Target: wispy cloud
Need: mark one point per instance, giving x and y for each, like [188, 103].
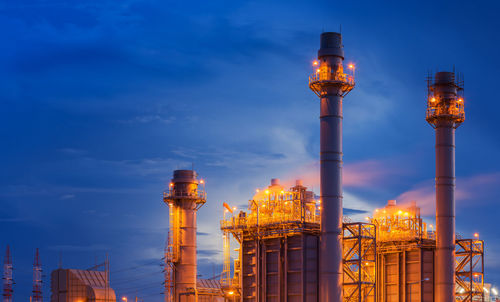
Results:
[473, 188]
[360, 174]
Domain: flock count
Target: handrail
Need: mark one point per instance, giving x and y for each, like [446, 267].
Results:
[198, 194]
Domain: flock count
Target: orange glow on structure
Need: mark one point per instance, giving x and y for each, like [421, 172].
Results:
[433, 100]
[202, 181]
[351, 66]
[317, 70]
[315, 63]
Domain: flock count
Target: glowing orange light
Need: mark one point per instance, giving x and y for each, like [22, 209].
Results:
[267, 191]
[317, 70]
[376, 210]
[231, 293]
[400, 212]
[257, 190]
[433, 100]
[171, 184]
[282, 192]
[460, 100]
[202, 181]
[351, 66]
[367, 218]
[319, 208]
[124, 298]
[476, 235]
[315, 63]
[234, 208]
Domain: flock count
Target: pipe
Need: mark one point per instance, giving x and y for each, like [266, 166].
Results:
[331, 89]
[445, 113]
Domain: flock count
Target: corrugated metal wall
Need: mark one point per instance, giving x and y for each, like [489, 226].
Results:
[400, 275]
[285, 267]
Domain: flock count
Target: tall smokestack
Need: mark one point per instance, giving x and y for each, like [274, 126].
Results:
[184, 199]
[445, 112]
[331, 84]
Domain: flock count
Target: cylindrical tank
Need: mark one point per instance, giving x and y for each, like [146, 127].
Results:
[331, 84]
[445, 115]
[185, 198]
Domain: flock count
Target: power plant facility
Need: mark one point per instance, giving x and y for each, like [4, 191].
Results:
[295, 246]
[291, 245]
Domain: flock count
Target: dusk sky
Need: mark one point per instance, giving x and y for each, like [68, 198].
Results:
[102, 100]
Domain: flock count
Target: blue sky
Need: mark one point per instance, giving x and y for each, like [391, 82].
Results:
[101, 100]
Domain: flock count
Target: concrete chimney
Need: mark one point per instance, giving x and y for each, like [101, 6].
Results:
[445, 112]
[184, 199]
[331, 84]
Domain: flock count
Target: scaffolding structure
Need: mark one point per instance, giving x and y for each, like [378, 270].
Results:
[7, 277]
[359, 261]
[440, 106]
[168, 269]
[37, 279]
[469, 270]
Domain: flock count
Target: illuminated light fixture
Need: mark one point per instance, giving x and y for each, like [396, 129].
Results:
[315, 63]
[462, 290]
[433, 100]
[231, 293]
[351, 66]
[460, 100]
[406, 214]
[225, 211]
[317, 70]
[400, 212]
[202, 181]
[234, 208]
[367, 218]
[494, 291]
[476, 235]
[257, 190]
[486, 290]
[376, 210]
[282, 192]
[171, 184]
[124, 298]
[319, 208]
[267, 191]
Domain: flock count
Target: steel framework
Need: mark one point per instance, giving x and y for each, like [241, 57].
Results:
[359, 261]
[469, 255]
[37, 279]
[7, 277]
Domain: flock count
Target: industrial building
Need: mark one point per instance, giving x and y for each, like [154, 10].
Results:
[295, 247]
[74, 285]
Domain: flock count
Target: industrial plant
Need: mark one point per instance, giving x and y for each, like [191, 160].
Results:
[295, 246]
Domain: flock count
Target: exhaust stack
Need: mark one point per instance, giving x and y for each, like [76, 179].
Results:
[445, 112]
[184, 198]
[331, 84]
